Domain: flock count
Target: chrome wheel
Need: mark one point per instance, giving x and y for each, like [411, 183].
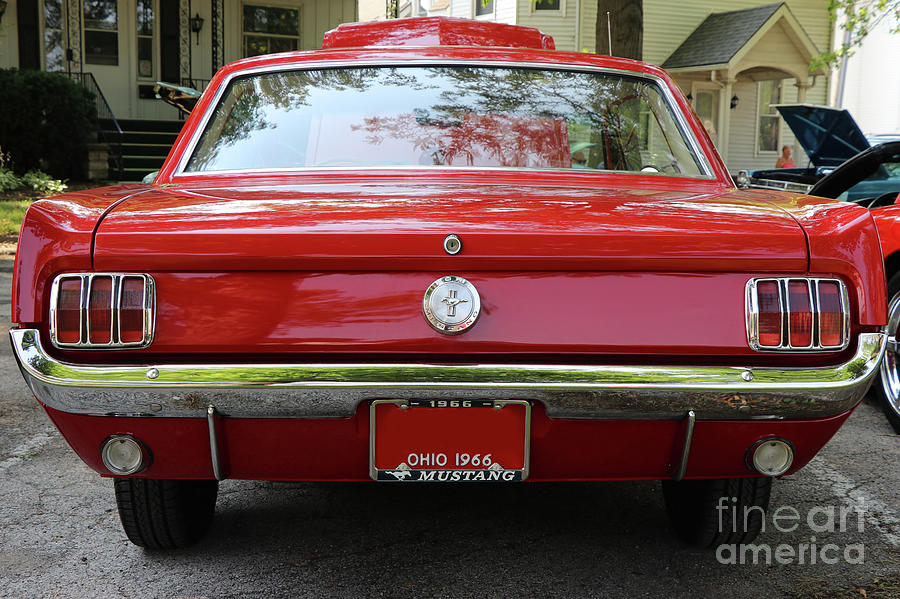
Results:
[890, 365]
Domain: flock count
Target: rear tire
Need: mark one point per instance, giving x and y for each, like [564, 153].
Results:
[702, 511]
[165, 514]
[888, 386]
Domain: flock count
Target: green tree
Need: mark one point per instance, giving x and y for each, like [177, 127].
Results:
[857, 18]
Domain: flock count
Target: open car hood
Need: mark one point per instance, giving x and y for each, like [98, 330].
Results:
[829, 136]
[182, 98]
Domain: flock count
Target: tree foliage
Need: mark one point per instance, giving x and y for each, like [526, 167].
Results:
[856, 19]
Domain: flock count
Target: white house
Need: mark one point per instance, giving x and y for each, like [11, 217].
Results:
[119, 49]
[128, 45]
[734, 59]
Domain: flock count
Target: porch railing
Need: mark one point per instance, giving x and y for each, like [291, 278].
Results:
[197, 84]
[109, 131]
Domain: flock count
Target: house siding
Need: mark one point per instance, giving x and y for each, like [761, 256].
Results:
[560, 25]
[665, 27]
[9, 39]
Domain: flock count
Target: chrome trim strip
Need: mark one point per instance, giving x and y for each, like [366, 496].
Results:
[335, 390]
[678, 115]
[211, 420]
[691, 418]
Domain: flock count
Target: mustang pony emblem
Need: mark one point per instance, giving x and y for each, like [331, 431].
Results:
[452, 300]
[451, 305]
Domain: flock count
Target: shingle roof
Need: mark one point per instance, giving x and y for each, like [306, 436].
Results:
[718, 38]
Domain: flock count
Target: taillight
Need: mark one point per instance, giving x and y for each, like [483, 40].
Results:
[832, 317]
[800, 317]
[102, 310]
[131, 310]
[68, 311]
[769, 296]
[794, 313]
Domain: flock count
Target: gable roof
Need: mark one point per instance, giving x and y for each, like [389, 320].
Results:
[720, 37]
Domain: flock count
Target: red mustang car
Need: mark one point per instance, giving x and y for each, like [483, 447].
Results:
[439, 250]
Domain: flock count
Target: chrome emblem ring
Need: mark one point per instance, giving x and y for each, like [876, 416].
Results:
[451, 305]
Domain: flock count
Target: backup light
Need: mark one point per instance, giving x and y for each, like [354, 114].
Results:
[123, 455]
[772, 457]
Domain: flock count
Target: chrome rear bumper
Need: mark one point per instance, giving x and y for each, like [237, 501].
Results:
[335, 390]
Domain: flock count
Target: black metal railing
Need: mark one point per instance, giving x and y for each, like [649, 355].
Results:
[109, 131]
[197, 84]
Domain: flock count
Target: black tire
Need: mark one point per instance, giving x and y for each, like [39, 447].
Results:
[887, 387]
[701, 511]
[165, 514]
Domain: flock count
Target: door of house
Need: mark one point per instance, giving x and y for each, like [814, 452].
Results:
[169, 42]
[106, 38]
[29, 34]
[706, 105]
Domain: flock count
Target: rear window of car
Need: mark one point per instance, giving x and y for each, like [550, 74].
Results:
[459, 116]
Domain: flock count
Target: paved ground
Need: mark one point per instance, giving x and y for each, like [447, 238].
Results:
[60, 534]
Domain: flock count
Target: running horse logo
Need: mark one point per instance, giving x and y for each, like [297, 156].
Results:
[452, 301]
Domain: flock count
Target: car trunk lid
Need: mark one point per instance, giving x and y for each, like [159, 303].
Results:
[390, 227]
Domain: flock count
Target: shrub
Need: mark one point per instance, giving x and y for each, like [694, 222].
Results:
[49, 121]
[8, 180]
[43, 183]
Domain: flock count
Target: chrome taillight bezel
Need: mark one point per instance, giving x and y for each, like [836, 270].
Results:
[813, 283]
[148, 310]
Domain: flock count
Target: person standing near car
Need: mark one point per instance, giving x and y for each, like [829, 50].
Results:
[785, 160]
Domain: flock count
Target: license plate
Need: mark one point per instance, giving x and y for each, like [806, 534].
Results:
[449, 440]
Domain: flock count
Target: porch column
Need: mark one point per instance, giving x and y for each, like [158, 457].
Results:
[218, 34]
[725, 114]
[74, 62]
[184, 40]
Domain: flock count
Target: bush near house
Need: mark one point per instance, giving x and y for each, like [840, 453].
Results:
[47, 122]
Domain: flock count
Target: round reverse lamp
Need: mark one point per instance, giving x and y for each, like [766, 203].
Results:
[123, 455]
[772, 457]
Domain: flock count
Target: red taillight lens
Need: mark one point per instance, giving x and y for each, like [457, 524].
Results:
[769, 302]
[831, 314]
[131, 310]
[100, 310]
[801, 314]
[68, 311]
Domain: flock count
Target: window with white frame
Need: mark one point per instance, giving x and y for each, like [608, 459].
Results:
[484, 7]
[768, 122]
[269, 29]
[101, 32]
[53, 35]
[145, 39]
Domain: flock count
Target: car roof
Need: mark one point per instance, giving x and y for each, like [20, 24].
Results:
[435, 31]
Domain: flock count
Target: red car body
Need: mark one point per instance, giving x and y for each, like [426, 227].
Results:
[613, 303]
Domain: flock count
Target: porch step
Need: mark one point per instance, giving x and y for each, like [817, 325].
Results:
[145, 144]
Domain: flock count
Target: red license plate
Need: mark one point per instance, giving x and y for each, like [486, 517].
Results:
[449, 440]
